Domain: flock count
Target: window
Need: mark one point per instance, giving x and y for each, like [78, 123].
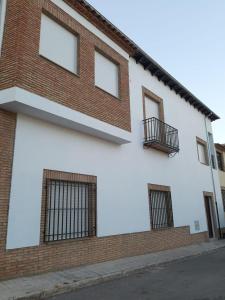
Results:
[223, 198]
[58, 44]
[2, 20]
[106, 74]
[212, 150]
[70, 212]
[220, 160]
[202, 151]
[160, 204]
[152, 105]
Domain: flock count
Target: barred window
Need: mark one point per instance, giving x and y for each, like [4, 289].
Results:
[160, 209]
[223, 198]
[71, 210]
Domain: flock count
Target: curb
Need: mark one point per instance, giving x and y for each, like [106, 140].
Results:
[71, 287]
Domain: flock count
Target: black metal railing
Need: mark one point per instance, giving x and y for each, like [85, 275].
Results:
[161, 209]
[70, 210]
[162, 134]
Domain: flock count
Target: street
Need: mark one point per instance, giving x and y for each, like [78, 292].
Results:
[196, 278]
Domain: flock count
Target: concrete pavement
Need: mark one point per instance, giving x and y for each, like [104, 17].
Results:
[43, 286]
[196, 278]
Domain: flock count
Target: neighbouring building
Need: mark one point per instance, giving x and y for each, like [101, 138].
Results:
[220, 153]
[103, 153]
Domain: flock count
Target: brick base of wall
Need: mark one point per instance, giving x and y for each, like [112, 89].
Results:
[66, 254]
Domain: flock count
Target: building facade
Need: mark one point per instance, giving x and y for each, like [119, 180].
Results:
[220, 153]
[103, 153]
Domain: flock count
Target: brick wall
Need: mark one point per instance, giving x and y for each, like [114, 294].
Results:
[67, 254]
[7, 136]
[21, 65]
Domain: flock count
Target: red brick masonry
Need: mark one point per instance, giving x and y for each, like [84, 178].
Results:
[22, 66]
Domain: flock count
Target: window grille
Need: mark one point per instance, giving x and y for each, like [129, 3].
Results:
[71, 210]
[160, 209]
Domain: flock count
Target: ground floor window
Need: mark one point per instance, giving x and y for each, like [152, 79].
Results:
[70, 209]
[223, 198]
[160, 204]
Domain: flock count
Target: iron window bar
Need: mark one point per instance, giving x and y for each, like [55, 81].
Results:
[70, 210]
[161, 212]
[161, 135]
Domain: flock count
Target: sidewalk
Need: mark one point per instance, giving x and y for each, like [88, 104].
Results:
[41, 286]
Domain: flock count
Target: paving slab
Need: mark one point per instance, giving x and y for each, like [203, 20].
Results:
[53, 283]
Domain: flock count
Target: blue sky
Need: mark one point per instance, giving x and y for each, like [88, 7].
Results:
[186, 37]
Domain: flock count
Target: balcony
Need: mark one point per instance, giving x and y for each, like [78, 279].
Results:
[160, 136]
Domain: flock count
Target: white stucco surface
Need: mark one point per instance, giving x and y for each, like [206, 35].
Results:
[123, 171]
[2, 20]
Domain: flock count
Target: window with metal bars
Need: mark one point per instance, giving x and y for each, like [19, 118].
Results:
[223, 198]
[70, 211]
[161, 212]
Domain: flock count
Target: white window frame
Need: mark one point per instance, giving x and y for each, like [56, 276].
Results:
[117, 94]
[74, 68]
[2, 21]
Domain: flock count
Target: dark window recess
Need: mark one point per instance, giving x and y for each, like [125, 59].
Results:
[161, 136]
[220, 161]
[161, 212]
[71, 210]
[223, 198]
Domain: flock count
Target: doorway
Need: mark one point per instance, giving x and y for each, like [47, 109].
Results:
[210, 215]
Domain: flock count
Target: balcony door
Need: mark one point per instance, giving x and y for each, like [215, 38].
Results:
[152, 108]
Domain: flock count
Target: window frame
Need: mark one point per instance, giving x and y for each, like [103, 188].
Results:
[222, 160]
[108, 57]
[204, 144]
[146, 93]
[69, 29]
[169, 206]
[70, 178]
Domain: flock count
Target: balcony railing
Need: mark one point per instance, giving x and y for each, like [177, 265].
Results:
[161, 136]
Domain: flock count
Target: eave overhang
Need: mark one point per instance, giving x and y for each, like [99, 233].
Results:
[140, 56]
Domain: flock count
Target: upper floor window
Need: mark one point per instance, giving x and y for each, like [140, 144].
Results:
[2, 21]
[106, 74]
[220, 160]
[58, 44]
[202, 151]
[160, 204]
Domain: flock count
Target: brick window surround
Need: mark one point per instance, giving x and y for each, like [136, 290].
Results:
[21, 65]
[160, 206]
[56, 177]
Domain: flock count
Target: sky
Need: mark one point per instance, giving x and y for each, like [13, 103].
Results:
[186, 37]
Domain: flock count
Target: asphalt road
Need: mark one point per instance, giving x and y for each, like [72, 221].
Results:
[197, 278]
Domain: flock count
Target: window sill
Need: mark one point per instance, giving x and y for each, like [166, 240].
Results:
[111, 95]
[84, 239]
[59, 66]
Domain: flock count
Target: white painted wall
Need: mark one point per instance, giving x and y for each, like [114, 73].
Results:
[58, 44]
[2, 20]
[123, 171]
